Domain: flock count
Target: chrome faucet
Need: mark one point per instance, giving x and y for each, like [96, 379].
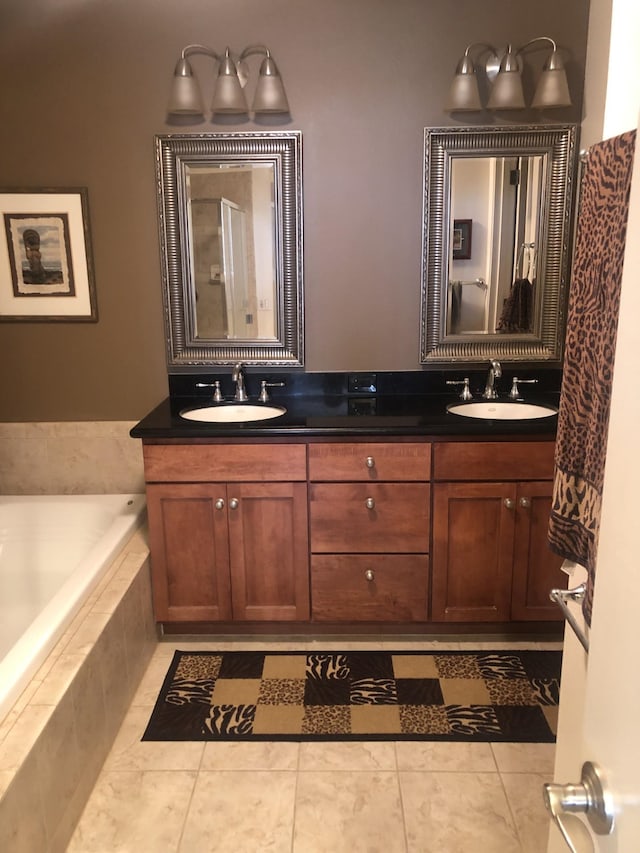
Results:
[495, 372]
[238, 378]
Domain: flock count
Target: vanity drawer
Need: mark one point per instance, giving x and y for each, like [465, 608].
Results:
[493, 460]
[359, 588]
[205, 463]
[369, 461]
[369, 517]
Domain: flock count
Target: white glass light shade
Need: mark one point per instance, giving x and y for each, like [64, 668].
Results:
[185, 97]
[270, 96]
[552, 89]
[228, 96]
[506, 92]
[464, 93]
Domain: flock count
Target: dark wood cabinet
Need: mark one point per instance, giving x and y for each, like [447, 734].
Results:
[369, 513]
[491, 561]
[319, 531]
[228, 550]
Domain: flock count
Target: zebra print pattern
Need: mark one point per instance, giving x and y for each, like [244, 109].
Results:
[359, 695]
[592, 321]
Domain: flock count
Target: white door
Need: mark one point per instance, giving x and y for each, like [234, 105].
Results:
[601, 720]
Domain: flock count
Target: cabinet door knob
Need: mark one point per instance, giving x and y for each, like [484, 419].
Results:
[371, 462]
[234, 503]
[370, 503]
[219, 504]
[509, 503]
[369, 575]
[525, 503]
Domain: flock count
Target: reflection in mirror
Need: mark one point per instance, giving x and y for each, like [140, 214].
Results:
[231, 233]
[496, 231]
[493, 288]
[233, 251]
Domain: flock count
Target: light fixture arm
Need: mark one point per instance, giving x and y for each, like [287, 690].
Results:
[254, 49]
[465, 66]
[539, 38]
[183, 66]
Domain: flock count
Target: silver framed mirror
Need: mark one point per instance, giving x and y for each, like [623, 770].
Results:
[497, 217]
[230, 225]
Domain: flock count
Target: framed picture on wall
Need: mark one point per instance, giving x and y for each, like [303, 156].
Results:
[462, 239]
[46, 267]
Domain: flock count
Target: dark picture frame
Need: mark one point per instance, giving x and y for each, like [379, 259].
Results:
[462, 232]
[46, 264]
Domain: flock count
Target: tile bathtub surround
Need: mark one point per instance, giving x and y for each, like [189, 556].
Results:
[75, 457]
[312, 797]
[54, 741]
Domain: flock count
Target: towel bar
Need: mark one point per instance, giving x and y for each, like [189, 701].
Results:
[479, 282]
[561, 596]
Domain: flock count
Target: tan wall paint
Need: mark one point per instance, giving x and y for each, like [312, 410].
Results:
[84, 89]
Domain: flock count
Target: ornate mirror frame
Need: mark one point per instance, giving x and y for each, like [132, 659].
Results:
[557, 145]
[175, 154]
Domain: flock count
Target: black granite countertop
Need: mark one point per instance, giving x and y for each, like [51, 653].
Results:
[346, 416]
[352, 404]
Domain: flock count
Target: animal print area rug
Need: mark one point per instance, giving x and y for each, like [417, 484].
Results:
[359, 695]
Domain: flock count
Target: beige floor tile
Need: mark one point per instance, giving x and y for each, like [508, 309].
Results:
[524, 793]
[457, 813]
[348, 812]
[469, 757]
[135, 812]
[152, 679]
[267, 755]
[525, 757]
[356, 755]
[240, 811]
[130, 753]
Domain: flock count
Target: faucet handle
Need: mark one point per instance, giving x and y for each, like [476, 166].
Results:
[465, 394]
[264, 394]
[514, 394]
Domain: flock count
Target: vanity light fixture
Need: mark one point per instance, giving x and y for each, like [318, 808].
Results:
[505, 74]
[228, 97]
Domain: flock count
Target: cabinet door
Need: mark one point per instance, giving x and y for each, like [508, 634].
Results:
[189, 552]
[473, 530]
[269, 551]
[536, 569]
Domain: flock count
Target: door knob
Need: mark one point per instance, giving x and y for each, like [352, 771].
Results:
[370, 503]
[371, 462]
[509, 503]
[589, 797]
[219, 504]
[369, 575]
[525, 503]
[234, 503]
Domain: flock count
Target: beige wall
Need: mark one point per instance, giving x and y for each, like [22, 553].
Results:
[84, 89]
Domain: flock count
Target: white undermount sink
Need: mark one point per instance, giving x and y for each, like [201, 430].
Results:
[502, 411]
[232, 413]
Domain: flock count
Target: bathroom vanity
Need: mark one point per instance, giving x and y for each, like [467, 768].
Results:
[350, 511]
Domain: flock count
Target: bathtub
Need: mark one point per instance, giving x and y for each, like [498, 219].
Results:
[53, 552]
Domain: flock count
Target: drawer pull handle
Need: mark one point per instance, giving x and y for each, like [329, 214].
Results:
[509, 503]
[219, 504]
[371, 462]
[525, 503]
[369, 575]
[234, 503]
[370, 503]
